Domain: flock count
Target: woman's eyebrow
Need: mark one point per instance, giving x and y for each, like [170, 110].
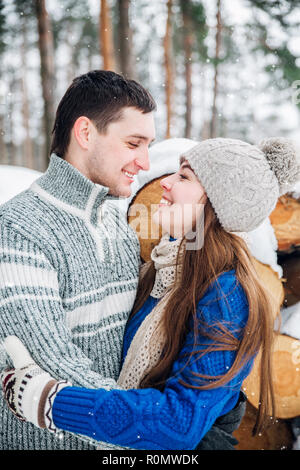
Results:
[185, 166]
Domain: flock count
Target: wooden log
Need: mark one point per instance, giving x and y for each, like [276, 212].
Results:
[291, 274]
[285, 357]
[286, 376]
[140, 219]
[271, 283]
[276, 436]
[285, 220]
[286, 352]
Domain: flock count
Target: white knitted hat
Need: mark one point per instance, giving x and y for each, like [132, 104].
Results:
[243, 181]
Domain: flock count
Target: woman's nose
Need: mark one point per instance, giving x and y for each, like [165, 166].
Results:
[166, 184]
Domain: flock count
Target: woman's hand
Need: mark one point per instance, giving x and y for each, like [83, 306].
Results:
[29, 391]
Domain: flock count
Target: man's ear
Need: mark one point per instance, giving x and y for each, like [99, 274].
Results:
[83, 131]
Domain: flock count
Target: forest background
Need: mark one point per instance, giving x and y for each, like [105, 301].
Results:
[226, 68]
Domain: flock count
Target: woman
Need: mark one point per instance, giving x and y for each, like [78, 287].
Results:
[190, 345]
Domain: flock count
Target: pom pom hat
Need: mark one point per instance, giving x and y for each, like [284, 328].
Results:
[244, 181]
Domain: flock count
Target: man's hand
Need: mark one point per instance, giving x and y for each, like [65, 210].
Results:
[29, 391]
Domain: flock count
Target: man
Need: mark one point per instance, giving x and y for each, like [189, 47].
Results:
[68, 261]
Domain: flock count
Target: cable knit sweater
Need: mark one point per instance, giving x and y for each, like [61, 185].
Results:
[178, 417]
[68, 276]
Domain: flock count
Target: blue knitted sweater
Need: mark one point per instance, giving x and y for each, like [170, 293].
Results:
[178, 417]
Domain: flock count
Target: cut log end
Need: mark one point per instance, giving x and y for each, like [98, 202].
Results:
[276, 436]
[285, 220]
[286, 377]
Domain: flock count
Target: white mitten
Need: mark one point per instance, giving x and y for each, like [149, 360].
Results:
[29, 391]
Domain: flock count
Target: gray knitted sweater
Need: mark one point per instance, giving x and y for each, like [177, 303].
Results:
[68, 276]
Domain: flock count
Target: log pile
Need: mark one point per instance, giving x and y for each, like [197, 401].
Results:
[148, 233]
[285, 220]
[286, 378]
[276, 436]
[291, 274]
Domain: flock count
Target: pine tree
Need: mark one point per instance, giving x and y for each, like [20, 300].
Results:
[2, 98]
[216, 61]
[125, 40]
[168, 62]
[28, 147]
[77, 29]
[188, 41]
[283, 70]
[191, 44]
[3, 27]
[106, 37]
[46, 48]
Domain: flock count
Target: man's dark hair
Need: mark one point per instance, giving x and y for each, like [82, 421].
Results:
[101, 96]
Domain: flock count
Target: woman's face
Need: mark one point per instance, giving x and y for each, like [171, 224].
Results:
[182, 202]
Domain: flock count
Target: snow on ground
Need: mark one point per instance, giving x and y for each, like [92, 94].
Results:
[263, 245]
[296, 190]
[290, 321]
[14, 180]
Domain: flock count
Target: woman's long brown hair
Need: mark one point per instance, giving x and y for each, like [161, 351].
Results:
[222, 251]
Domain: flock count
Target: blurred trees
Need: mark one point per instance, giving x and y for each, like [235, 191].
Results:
[3, 151]
[213, 125]
[46, 48]
[2, 27]
[188, 41]
[279, 15]
[106, 36]
[169, 73]
[190, 44]
[125, 40]
[206, 70]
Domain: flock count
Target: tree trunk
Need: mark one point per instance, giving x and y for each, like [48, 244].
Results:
[125, 41]
[106, 37]
[3, 151]
[28, 149]
[71, 68]
[169, 79]
[9, 124]
[285, 220]
[47, 71]
[187, 45]
[204, 131]
[214, 119]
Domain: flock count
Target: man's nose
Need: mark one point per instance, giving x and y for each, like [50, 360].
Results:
[143, 161]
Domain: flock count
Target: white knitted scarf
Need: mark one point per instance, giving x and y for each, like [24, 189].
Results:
[147, 345]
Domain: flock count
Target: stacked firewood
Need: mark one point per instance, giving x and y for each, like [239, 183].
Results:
[285, 220]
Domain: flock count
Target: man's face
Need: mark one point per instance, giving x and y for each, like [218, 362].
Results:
[118, 155]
